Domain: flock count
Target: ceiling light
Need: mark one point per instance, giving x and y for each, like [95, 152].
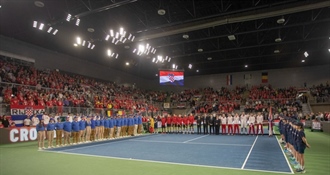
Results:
[111, 33]
[113, 54]
[77, 22]
[209, 58]
[109, 52]
[78, 40]
[200, 50]
[197, 70]
[117, 55]
[41, 26]
[126, 47]
[276, 51]
[129, 36]
[35, 23]
[154, 59]
[121, 31]
[117, 35]
[54, 33]
[329, 50]
[134, 50]
[169, 59]
[278, 39]
[173, 66]
[176, 67]
[124, 40]
[113, 40]
[185, 36]
[246, 66]
[89, 45]
[75, 44]
[39, 4]
[133, 38]
[107, 37]
[302, 61]
[50, 29]
[83, 44]
[68, 18]
[93, 46]
[280, 21]
[161, 12]
[156, 75]
[141, 48]
[90, 30]
[127, 63]
[231, 37]
[190, 66]
[306, 54]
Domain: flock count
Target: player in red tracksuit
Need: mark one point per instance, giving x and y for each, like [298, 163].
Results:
[168, 123]
[163, 121]
[223, 124]
[179, 123]
[174, 123]
[185, 124]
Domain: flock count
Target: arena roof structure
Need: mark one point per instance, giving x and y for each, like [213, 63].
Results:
[201, 37]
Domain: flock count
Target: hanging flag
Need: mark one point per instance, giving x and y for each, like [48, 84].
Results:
[229, 79]
[264, 77]
[171, 78]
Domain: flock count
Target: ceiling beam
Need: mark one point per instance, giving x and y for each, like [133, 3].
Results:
[243, 17]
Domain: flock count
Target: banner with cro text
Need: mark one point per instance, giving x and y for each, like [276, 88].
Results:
[20, 112]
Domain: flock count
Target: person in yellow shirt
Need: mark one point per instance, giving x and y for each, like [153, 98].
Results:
[152, 124]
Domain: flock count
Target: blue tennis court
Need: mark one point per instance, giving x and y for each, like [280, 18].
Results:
[260, 153]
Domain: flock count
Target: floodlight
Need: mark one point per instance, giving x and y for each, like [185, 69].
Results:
[68, 18]
[134, 50]
[117, 35]
[50, 29]
[111, 33]
[133, 38]
[54, 33]
[107, 37]
[153, 60]
[41, 26]
[77, 22]
[93, 46]
[35, 23]
[113, 40]
[302, 61]
[117, 55]
[306, 54]
[121, 31]
[78, 40]
[112, 54]
[129, 37]
[83, 44]
[190, 66]
[169, 59]
[173, 66]
[109, 52]
[89, 45]
[124, 40]
[116, 42]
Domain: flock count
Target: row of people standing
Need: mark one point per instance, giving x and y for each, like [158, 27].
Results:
[84, 129]
[244, 123]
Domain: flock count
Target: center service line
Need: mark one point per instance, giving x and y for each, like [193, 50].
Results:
[247, 157]
[195, 138]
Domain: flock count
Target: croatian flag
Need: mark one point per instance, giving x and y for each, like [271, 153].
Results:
[171, 78]
[20, 112]
[229, 79]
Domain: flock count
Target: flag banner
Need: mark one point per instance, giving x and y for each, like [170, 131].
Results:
[229, 79]
[175, 78]
[20, 112]
[264, 77]
[109, 113]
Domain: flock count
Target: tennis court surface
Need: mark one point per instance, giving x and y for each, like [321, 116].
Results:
[251, 153]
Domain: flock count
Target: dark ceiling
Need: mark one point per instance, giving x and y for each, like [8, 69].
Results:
[208, 23]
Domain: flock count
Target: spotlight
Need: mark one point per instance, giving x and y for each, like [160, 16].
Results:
[246, 66]
[89, 45]
[41, 26]
[166, 57]
[124, 40]
[190, 66]
[107, 37]
[329, 50]
[153, 60]
[111, 33]
[116, 42]
[306, 54]
[83, 44]
[35, 23]
[197, 70]
[78, 40]
[173, 66]
[302, 61]
[127, 63]
[68, 18]
[109, 52]
[117, 55]
[93, 46]
[113, 54]
[169, 59]
[121, 31]
[77, 22]
[117, 35]
[133, 38]
[54, 33]
[75, 44]
[134, 50]
[113, 40]
[50, 29]
[129, 37]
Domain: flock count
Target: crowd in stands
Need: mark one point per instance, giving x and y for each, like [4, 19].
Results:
[321, 92]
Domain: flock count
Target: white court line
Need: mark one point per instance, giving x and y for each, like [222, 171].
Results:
[171, 163]
[195, 138]
[247, 157]
[192, 143]
[287, 161]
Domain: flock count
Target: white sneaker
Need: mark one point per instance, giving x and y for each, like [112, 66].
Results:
[39, 148]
